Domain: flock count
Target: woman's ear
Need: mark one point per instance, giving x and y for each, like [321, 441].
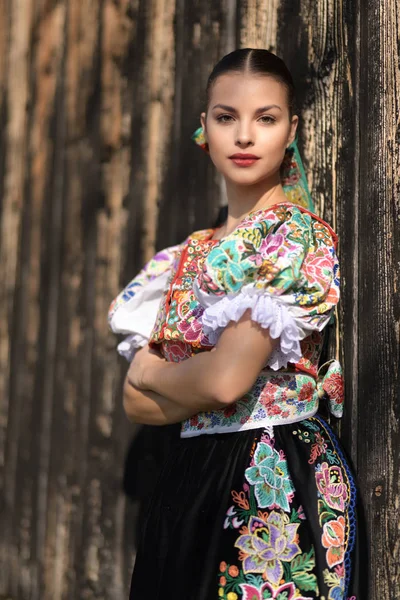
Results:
[203, 121]
[293, 128]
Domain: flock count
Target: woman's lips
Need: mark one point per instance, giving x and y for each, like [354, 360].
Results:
[244, 160]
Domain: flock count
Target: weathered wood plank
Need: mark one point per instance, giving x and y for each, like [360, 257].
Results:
[191, 188]
[14, 161]
[379, 308]
[259, 24]
[75, 336]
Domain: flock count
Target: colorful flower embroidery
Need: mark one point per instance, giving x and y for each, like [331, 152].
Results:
[231, 270]
[333, 539]
[272, 398]
[270, 477]
[306, 392]
[176, 351]
[335, 580]
[334, 386]
[282, 250]
[287, 591]
[276, 558]
[267, 544]
[331, 485]
[191, 326]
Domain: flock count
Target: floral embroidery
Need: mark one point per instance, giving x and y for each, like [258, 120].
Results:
[331, 485]
[191, 326]
[274, 559]
[282, 250]
[335, 580]
[331, 387]
[306, 391]
[176, 351]
[270, 477]
[231, 271]
[273, 399]
[318, 448]
[333, 540]
[286, 591]
[268, 544]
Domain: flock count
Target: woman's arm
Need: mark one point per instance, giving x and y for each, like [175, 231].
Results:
[208, 380]
[149, 408]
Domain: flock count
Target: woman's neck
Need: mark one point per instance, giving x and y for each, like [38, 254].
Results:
[245, 199]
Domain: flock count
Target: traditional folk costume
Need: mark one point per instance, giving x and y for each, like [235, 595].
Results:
[256, 500]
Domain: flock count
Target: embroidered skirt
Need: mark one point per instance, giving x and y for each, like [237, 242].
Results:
[265, 513]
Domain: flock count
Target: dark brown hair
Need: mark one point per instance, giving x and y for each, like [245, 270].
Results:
[259, 62]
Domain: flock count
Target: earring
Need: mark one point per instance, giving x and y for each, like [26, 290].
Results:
[200, 139]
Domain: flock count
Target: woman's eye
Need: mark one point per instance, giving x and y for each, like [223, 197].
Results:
[228, 118]
[224, 118]
[267, 119]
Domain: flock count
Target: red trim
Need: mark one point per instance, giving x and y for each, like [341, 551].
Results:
[317, 218]
[169, 294]
[299, 369]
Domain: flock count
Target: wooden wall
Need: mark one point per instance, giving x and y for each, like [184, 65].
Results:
[98, 100]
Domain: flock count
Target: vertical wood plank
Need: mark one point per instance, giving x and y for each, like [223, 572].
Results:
[379, 309]
[81, 196]
[258, 24]
[15, 84]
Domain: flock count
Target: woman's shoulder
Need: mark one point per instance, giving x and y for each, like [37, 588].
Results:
[290, 220]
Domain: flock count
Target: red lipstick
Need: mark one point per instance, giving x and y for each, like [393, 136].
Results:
[243, 159]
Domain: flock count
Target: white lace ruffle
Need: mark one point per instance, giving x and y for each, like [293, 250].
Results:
[267, 310]
[130, 345]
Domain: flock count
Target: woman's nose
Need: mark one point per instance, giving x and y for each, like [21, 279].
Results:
[244, 137]
[244, 143]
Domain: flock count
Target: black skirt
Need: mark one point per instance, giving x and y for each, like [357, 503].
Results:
[265, 513]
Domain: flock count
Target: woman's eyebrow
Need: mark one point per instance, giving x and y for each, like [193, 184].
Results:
[259, 110]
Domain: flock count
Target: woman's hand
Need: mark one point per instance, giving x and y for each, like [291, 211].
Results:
[149, 408]
[144, 406]
[144, 359]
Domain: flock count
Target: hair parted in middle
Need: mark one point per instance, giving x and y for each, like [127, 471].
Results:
[257, 61]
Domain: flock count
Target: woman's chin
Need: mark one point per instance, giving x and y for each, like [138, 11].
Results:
[244, 179]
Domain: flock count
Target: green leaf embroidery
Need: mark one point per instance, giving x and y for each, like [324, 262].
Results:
[294, 516]
[325, 513]
[305, 581]
[331, 579]
[303, 562]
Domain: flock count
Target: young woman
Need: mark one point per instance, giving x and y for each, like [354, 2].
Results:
[255, 499]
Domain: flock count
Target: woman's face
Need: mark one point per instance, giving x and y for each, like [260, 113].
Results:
[248, 114]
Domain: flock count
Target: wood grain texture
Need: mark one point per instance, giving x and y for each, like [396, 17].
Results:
[16, 93]
[379, 306]
[258, 24]
[97, 171]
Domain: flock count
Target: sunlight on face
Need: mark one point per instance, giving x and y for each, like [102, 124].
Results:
[248, 114]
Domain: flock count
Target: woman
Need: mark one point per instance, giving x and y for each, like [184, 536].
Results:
[255, 499]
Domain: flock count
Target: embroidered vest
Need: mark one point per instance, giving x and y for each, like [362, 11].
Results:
[277, 397]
